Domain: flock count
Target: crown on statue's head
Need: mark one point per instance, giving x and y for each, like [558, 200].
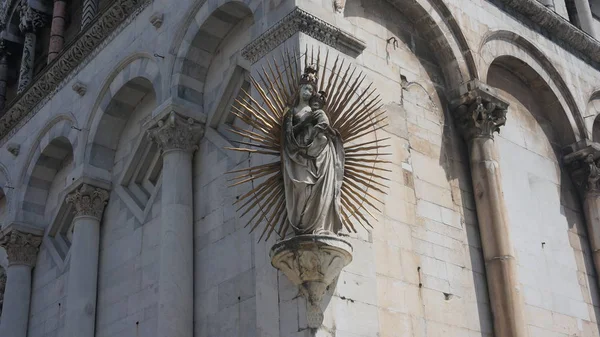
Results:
[310, 75]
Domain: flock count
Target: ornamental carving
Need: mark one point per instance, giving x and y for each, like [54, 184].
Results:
[60, 71]
[89, 201]
[301, 21]
[480, 118]
[177, 133]
[21, 248]
[31, 19]
[584, 167]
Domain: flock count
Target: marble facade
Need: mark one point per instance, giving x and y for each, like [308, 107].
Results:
[116, 215]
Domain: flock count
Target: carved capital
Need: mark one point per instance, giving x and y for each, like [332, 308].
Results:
[583, 163]
[479, 118]
[31, 19]
[176, 132]
[478, 110]
[21, 247]
[89, 201]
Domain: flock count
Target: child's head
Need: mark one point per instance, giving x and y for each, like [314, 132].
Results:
[317, 102]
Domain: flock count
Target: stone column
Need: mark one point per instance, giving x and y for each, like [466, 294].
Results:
[90, 9]
[21, 248]
[177, 138]
[478, 116]
[57, 32]
[586, 20]
[582, 161]
[3, 75]
[31, 21]
[89, 203]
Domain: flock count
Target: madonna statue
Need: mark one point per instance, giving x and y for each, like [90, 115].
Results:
[313, 162]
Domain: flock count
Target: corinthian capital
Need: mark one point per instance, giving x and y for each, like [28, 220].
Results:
[583, 161]
[89, 201]
[21, 247]
[479, 112]
[480, 118]
[31, 19]
[176, 132]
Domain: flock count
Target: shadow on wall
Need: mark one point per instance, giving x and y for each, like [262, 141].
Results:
[531, 93]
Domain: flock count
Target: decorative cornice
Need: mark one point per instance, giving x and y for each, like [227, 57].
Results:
[479, 112]
[176, 132]
[89, 201]
[557, 28]
[301, 21]
[21, 247]
[76, 56]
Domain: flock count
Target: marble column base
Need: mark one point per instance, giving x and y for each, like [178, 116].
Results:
[312, 263]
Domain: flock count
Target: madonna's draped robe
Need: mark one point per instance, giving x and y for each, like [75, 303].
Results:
[313, 164]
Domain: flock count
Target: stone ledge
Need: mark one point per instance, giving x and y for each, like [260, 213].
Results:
[74, 57]
[556, 27]
[301, 21]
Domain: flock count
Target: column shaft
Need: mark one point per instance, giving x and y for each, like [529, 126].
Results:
[89, 205]
[57, 32]
[586, 20]
[501, 266]
[479, 115]
[83, 277]
[27, 61]
[15, 316]
[176, 288]
[90, 9]
[177, 138]
[21, 250]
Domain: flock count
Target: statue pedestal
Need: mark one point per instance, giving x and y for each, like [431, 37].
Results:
[312, 263]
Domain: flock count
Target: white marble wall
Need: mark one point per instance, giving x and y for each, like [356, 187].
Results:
[418, 273]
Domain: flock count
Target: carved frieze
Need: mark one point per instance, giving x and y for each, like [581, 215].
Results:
[89, 201]
[114, 18]
[301, 21]
[176, 132]
[21, 247]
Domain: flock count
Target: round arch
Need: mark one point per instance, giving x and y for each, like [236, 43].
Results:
[517, 54]
[56, 142]
[197, 42]
[128, 84]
